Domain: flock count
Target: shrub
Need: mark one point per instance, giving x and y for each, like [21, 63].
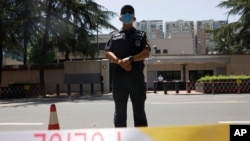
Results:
[223, 78]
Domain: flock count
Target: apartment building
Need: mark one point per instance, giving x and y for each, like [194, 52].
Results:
[181, 28]
[178, 26]
[176, 38]
[203, 40]
[154, 28]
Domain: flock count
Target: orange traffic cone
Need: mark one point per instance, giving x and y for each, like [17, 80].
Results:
[53, 120]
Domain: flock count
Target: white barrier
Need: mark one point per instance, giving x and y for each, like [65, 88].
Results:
[218, 132]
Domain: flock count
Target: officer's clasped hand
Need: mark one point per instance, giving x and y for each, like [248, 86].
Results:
[125, 64]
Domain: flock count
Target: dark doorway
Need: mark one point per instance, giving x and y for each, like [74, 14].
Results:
[194, 75]
[170, 75]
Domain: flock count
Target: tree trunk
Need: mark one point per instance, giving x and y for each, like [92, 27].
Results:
[67, 52]
[1, 50]
[25, 43]
[45, 44]
[25, 33]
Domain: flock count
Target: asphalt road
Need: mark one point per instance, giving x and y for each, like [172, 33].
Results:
[97, 111]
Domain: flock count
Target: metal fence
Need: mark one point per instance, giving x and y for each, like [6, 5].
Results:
[29, 91]
[22, 91]
[224, 87]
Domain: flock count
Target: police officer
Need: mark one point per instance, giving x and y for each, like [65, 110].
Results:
[126, 50]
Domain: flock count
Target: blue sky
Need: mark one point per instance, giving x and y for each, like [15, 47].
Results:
[169, 10]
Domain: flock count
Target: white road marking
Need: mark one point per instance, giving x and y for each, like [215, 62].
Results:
[199, 102]
[20, 123]
[15, 104]
[169, 102]
[91, 103]
[234, 122]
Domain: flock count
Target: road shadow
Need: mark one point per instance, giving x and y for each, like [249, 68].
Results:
[48, 99]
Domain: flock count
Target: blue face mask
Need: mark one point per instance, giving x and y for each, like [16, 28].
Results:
[127, 18]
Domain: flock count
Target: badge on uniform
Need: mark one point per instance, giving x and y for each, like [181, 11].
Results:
[118, 36]
[138, 43]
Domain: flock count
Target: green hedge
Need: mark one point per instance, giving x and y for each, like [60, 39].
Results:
[224, 78]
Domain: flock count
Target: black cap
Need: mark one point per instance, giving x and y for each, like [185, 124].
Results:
[127, 8]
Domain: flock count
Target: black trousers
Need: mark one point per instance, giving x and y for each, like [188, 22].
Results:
[129, 85]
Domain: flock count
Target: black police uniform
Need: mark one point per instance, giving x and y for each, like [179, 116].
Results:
[127, 84]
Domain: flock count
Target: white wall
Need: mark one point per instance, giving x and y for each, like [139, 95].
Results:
[179, 43]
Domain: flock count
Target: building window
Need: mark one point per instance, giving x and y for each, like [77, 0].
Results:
[165, 51]
[157, 51]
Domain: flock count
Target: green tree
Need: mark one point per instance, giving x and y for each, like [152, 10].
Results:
[76, 34]
[29, 21]
[7, 35]
[72, 16]
[225, 39]
[65, 24]
[234, 38]
[35, 54]
[25, 24]
[1, 39]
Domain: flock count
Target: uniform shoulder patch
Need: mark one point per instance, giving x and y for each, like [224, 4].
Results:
[140, 32]
[112, 32]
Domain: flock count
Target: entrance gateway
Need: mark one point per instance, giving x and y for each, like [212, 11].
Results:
[184, 68]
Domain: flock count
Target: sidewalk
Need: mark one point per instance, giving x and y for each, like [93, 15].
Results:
[182, 92]
[174, 93]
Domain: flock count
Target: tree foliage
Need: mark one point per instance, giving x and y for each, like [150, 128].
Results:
[68, 25]
[234, 38]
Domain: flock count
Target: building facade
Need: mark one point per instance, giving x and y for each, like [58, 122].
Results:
[172, 68]
[154, 28]
[181, 27]
[179, 43]
[178, 26]
[204, 41]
